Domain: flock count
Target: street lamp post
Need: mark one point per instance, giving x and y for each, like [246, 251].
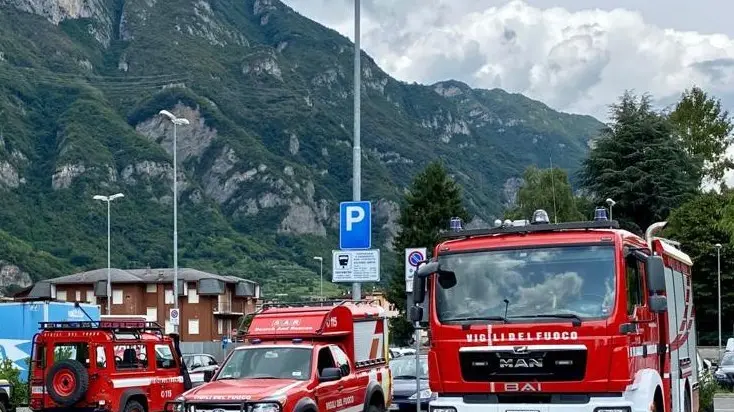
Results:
[321, 274]
[718, 271]
[356, 146]
[108, 199]
[611, 204]
[176, 122]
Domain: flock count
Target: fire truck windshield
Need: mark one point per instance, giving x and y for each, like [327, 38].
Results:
[575, 281]
[268, 363]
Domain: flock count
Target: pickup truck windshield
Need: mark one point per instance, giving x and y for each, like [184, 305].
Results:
[575, 281]
[268, 363]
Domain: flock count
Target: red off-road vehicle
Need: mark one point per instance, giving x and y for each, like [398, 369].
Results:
[302, 359]
[117, 366]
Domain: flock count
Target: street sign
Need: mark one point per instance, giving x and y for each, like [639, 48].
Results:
[355, 225]
[355, 265]
[173, 316]
[412, 257]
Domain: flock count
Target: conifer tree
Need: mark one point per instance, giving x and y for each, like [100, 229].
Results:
[431, 201]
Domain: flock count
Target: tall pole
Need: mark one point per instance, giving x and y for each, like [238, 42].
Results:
[108, 199]
[175, 228]
[718, 271]
[109, 265]
[176, 121]
[357, 149]
[321, 274]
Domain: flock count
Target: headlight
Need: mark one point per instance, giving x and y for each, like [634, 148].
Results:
[265, 407]
[425, 394]
[442, 409]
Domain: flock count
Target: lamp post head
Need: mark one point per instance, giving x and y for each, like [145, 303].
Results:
[318, 258]
[175, 120]
[167, 114]
[100, 197]
[611, 202]
[717, 246]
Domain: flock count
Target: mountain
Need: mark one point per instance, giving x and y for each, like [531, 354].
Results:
[266, 157]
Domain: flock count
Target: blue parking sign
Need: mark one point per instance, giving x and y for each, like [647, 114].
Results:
[355, 225]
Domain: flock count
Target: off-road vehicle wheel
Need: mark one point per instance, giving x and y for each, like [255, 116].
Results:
[134, 406]
[67, 382]
[2, 406]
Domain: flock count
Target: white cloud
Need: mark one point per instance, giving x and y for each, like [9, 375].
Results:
[577, 61]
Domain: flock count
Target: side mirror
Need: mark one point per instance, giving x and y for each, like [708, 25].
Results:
[208, 375]
[655, 269]
[419, 289]
[330, 375]
[416, 314]
[658, 304]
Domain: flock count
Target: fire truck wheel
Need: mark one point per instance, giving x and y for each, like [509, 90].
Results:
[134, 406]
[66, 382]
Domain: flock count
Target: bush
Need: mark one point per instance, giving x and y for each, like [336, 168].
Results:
[9, 372]
[706, 390]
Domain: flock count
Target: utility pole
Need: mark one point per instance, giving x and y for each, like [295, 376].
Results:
[176, 121]
[356, 147]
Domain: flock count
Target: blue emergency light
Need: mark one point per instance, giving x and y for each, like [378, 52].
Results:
[600, 214]
[455, 224]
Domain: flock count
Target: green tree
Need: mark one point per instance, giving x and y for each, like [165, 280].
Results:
[697, 225]
[638, 163]
[431, 201]
[546, 189]
[704, 129]
[9, 372]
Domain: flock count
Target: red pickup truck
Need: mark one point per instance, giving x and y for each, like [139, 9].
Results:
[302, 359]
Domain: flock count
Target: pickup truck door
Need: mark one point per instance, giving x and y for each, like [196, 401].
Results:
[328, 394]
[354, 388]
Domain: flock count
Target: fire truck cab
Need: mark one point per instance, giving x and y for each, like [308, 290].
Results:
[572, 317]
[330, 358]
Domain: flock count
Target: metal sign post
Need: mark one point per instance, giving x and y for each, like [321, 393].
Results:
[418, 366]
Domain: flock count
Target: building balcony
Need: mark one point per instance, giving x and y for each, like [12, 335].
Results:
[227, 308]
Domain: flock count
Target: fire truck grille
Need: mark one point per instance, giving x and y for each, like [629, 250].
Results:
[535, 366]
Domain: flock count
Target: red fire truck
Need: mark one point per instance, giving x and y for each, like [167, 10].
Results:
[541, 317]
[330, 358]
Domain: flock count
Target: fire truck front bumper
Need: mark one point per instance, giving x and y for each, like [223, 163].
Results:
[595, 404]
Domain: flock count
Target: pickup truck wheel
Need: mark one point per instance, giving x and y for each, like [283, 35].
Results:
[67, 382]
[134, 406]
[375, 408]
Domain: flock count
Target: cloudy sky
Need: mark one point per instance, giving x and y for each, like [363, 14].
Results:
[575, 55]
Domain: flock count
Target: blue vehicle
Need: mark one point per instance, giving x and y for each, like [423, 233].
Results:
[16, 335]
[404, 386]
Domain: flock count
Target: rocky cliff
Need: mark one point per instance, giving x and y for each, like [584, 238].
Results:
[267, 155]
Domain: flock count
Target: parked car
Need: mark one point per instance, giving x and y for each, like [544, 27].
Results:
[405, 390]
[6, 393]
[724, 374]
[197, 364]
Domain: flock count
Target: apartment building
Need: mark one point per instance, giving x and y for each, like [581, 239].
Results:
[210, 305]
